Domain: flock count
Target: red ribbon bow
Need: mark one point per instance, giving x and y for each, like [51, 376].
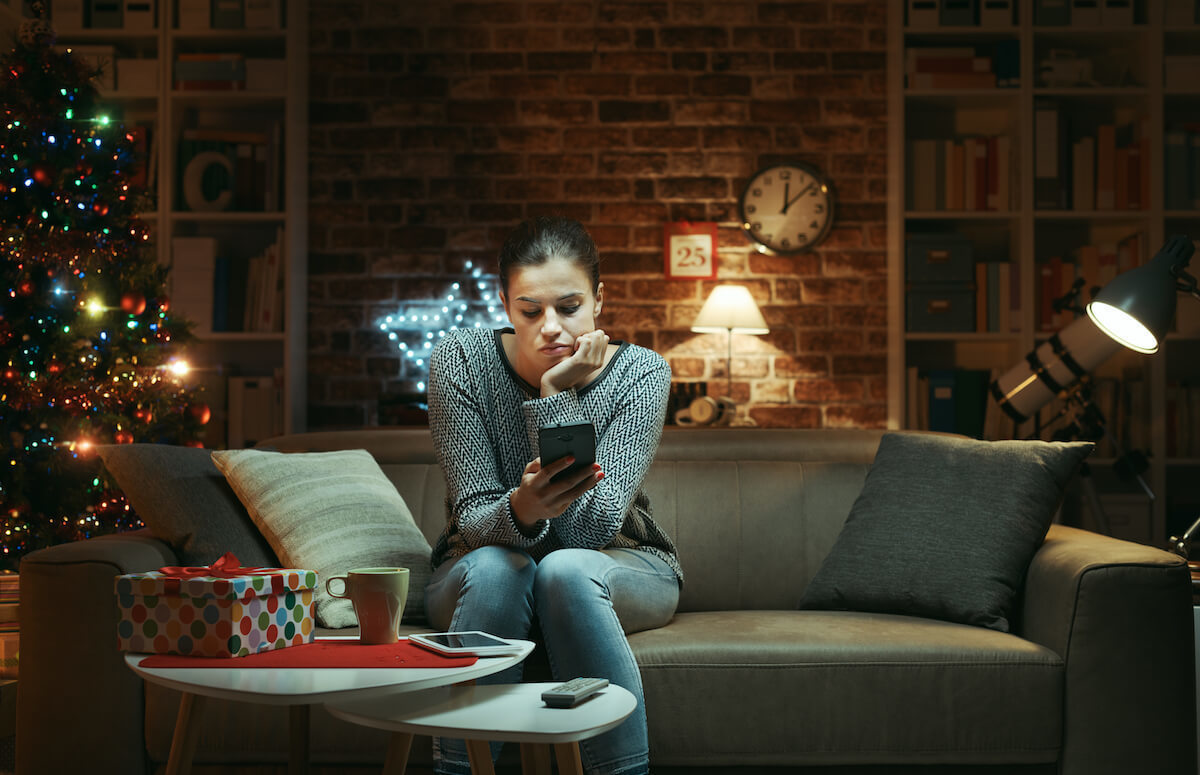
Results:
[225, 568]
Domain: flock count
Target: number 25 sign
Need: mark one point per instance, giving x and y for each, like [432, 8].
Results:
[690, 250]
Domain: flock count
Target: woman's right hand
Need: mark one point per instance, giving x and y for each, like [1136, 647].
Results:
[538, 498]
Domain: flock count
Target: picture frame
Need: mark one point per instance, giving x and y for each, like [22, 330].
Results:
[690, 250]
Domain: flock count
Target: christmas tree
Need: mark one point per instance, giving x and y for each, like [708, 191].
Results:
[89, 350]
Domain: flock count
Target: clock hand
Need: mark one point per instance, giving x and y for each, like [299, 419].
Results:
[786, 203]
[789, 202]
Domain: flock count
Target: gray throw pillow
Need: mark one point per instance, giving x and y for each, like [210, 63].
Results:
[945, 528]
[186, 502]
[330, 512]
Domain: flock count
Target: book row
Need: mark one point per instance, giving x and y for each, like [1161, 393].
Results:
[1181, 168]
[220, 292]
[1074, 279]
[993, 14]
[994, 65]
[227, 169]
[143, 15]
[968, 173]
[1108, 170]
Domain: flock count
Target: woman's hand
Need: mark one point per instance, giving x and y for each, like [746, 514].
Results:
[590, 349]
[538, 498]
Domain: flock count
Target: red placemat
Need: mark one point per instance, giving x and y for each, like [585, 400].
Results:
[321, 653]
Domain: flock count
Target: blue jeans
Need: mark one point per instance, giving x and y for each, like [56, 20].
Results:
[586, 601]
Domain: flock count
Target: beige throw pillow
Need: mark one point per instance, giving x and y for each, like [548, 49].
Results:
[330, 512]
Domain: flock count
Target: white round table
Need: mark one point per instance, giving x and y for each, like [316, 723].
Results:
[481, 714]
[298, 688]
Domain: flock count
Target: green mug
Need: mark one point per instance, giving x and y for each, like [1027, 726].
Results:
[378, 596]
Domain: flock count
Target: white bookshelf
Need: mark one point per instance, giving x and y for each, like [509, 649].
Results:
[241, 232]
[1128, 81]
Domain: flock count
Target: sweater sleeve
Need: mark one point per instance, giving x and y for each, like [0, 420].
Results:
[624, 449]
[477, 498]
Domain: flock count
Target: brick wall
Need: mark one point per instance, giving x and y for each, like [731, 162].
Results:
[437, 125]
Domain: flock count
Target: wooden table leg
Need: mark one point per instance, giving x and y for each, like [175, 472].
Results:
[535, 759]
[187, 732]
[397, 753]
[298, 739]
[568, 757]
[480, 754]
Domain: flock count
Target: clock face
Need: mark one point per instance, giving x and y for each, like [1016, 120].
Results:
[787, 208]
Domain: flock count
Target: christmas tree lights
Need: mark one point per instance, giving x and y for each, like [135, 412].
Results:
[89, 350]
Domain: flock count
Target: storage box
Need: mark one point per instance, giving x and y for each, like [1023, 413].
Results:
[137, 76]
[214, 616]
[939, 258]
[941, 308]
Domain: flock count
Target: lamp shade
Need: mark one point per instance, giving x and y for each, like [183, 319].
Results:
[1137, 307]
[730, 308]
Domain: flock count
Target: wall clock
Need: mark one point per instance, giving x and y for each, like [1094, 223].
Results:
[787, 208]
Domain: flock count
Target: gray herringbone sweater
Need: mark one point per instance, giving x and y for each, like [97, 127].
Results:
[484, 419]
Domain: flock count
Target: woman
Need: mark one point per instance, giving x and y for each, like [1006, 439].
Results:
[582, 554]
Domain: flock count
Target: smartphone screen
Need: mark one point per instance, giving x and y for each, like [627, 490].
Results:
[557, 441]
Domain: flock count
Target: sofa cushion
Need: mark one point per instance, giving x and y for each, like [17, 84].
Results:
[186, 502]
[843, 688]
[330, 512]
[945, 527]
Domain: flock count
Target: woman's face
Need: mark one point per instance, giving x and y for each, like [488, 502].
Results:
[550, 305]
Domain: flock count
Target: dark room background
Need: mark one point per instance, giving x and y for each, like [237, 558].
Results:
[437, 125]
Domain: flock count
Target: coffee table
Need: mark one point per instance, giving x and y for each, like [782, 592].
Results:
[500, 712]
[298, 688]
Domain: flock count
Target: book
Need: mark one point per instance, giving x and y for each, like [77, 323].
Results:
[1083, 174]
[1050, 167]
[193, 267]
[1106, 166]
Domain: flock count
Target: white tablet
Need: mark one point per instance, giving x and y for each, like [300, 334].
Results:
[465, 644]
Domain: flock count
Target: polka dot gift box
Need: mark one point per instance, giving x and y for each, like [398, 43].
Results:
[218, 611]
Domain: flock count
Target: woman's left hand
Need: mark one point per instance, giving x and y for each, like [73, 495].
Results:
[590, 349]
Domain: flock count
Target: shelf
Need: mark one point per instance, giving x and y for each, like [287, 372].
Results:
[241, 336]
[964, 336]
[961, 215]
[227, 267]
[231, 98]
[1108, 84]
[229, 217]
[232, 36]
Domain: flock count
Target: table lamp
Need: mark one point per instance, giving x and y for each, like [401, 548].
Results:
[730, 310]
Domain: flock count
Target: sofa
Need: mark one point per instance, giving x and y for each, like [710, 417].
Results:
[1096, 675]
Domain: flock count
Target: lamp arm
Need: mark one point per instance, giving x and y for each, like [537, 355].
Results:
[1185, 283]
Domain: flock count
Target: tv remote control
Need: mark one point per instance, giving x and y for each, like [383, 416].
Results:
[571, 693]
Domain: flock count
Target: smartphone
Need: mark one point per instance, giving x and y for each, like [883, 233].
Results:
[473, 643]
[557, 441]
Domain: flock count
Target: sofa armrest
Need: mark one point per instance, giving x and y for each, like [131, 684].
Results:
[1120, 615]
[72, 675]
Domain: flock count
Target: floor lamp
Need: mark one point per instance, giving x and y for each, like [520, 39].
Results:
[729, 310]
